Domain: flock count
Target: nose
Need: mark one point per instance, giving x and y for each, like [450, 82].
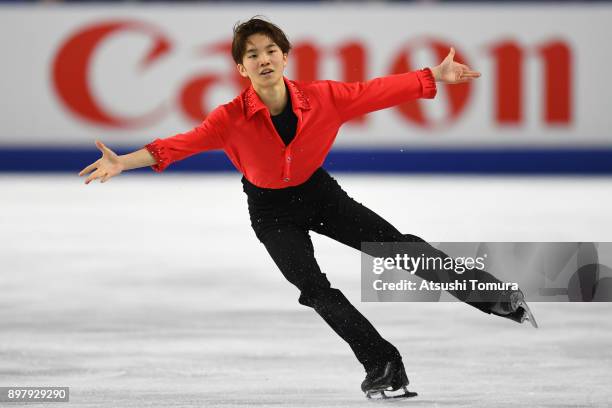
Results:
[264, 59]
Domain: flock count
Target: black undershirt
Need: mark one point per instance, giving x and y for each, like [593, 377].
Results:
[285, 122]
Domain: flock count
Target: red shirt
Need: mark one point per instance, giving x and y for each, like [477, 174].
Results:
[244, 130]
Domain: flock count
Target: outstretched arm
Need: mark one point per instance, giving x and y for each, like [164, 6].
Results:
[160, 153]
[352, 99]
[358, 98]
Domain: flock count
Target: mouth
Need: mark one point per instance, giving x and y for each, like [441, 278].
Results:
[266, 72]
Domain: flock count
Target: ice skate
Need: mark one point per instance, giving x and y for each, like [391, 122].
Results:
[512, 305]
[384, 379]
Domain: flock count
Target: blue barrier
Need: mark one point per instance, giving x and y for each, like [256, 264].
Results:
[465, 161]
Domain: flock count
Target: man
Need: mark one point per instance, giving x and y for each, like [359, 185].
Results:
[277, 134]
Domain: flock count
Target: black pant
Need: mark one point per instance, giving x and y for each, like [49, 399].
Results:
[282, 219]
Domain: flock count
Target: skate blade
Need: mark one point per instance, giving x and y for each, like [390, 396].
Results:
[386, 395]
[528, 315]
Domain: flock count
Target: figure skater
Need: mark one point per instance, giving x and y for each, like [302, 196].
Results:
[277, 133]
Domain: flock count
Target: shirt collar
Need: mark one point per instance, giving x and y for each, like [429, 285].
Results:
[253, 104]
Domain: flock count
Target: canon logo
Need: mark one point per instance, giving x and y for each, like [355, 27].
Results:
[72, 82]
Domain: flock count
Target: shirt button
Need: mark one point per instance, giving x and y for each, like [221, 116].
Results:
[286, 179]
[288, 158]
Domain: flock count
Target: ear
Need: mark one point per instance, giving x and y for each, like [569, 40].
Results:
[242, 70]
[285, 59]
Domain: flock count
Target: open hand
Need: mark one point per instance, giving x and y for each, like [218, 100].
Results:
[452, 72]
[109, 165]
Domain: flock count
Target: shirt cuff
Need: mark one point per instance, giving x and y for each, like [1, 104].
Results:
[160, 155]
[428, 83]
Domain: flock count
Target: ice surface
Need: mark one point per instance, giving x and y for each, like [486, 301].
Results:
[152, 290]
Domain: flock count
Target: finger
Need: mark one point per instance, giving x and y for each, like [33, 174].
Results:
[89, 168]
[460, 78]
[101, 146]
[96, 174]
[106, 177]
[470, 74]
[451, 53]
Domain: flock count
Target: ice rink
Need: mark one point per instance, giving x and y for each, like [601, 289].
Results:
[152, 290]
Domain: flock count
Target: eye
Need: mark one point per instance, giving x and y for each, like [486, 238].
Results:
[252, 56]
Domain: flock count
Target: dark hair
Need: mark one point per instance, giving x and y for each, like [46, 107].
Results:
[256, 25]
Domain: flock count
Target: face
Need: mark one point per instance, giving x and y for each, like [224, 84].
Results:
[263, 62]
